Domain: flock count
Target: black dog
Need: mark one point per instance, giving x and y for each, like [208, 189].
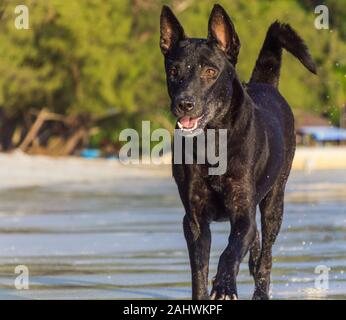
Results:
[207, 94]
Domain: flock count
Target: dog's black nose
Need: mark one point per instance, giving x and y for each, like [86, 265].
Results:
[186, 104]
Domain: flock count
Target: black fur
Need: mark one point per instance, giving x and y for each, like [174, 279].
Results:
[203, 84]
[279, 35]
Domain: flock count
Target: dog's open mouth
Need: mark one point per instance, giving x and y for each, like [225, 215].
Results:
[187, 123]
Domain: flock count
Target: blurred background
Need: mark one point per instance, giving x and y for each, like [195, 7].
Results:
[95, 67]
[93, 228]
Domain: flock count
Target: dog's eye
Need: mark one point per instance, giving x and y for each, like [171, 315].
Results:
[173, 71]
[209, 73]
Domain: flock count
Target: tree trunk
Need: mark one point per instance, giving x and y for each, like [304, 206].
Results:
[35, 128]
[7, 129]
[79, 136]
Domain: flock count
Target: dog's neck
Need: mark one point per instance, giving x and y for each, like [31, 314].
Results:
[240, 111]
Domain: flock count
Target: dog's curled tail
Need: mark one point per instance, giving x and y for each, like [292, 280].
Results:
[268, 64]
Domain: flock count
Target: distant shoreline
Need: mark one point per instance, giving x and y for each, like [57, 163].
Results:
[19, 170]
[319, 158]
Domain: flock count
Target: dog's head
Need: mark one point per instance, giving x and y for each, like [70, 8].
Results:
[200, 72]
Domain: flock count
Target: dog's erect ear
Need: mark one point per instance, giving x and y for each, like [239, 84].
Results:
[222, 31]
[171, 31]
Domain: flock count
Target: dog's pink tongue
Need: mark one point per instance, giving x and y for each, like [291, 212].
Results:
[187, 122]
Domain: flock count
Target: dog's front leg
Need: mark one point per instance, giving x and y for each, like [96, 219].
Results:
[194, 195]
[242, 236]
[198, 238]
[243, 232]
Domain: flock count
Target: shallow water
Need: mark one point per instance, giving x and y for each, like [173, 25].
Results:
[123, 239]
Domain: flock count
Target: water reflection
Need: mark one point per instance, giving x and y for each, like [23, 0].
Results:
[123, 239]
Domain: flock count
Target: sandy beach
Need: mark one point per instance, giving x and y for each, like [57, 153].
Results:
[18, 170]
[21, 170]
[320, 158]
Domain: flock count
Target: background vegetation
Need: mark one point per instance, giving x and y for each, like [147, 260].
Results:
[100, 60]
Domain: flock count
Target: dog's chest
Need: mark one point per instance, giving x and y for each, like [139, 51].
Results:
[216, 183]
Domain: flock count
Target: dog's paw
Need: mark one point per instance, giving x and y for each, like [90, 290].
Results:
[216, 296]
[222, 290]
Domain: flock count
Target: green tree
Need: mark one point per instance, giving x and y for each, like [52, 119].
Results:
[93, 56]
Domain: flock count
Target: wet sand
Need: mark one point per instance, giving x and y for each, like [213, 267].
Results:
[20, 170]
